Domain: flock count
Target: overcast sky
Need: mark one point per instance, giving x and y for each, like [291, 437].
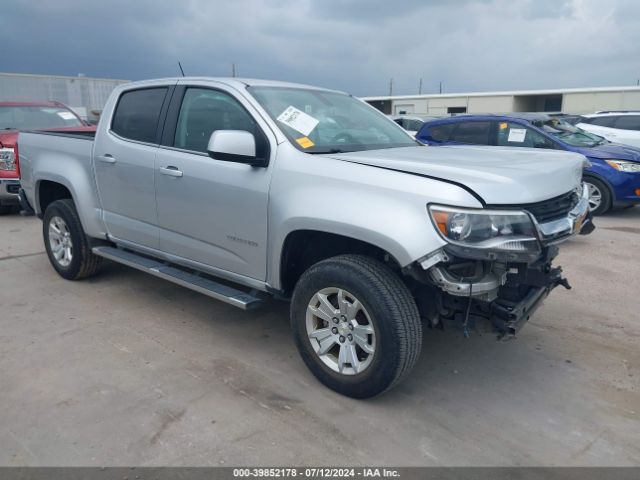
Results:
[355, 45]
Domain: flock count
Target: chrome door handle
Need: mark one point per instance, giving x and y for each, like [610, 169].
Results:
[171, 171]
[107, 158]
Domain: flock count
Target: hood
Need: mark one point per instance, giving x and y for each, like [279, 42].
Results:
[611, 150]
[8, 138]
[498, 175]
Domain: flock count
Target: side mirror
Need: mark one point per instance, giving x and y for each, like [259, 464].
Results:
[234, 146]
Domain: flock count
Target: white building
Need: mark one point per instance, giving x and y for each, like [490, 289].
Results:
[82, 94]
[570, 100]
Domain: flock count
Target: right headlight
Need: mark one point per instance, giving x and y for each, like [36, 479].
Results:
[497, 230]
[624, 165]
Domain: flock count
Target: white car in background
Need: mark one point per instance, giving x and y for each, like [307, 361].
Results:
[615, 126]
[411, 123]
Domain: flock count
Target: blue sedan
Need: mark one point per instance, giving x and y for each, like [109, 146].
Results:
[613, 177]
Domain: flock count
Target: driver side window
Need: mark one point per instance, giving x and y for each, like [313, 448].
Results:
[204, 111]
[515, 135]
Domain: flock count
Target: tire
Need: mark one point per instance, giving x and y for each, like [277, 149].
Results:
[80, 262]
[603, 204]
[385, 306]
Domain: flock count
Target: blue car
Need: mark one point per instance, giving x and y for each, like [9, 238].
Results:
[613, 177]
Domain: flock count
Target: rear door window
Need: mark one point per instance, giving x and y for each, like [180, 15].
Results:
[137, 114]
[628, 122]
[475, 133]
[607, 121]
[442, 132]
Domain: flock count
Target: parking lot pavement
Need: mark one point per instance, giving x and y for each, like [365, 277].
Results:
[126, 369]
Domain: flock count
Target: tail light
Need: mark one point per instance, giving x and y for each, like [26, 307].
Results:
[9, 163]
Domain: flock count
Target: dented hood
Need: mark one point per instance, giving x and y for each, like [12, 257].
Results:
[498, 175]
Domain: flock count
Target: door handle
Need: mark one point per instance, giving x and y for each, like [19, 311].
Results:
[107, 158]
[171, 171]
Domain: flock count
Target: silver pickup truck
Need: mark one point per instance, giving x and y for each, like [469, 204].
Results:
[249, 189]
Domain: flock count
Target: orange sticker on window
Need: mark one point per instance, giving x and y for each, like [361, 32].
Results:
[503, 125]
[305, 142]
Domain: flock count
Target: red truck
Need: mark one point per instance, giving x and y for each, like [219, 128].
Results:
[16, 116]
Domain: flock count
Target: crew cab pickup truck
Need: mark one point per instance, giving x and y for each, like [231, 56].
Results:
[250, 189]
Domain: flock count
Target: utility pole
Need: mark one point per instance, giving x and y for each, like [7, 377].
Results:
[233, 69]
[420, 88]
[390, 87]
[441, 86]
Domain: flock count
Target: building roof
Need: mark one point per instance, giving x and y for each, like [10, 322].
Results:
[558, 91]
[64, 77]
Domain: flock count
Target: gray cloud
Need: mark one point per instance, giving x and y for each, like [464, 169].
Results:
[356, 46]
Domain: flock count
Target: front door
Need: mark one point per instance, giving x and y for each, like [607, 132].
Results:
[212, 212]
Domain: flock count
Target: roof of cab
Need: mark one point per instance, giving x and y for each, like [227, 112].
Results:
[231, 81]
[526, 116]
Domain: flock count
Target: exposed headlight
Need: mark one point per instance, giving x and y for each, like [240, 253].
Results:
[7, 159]
[498, 230]
[624, 166]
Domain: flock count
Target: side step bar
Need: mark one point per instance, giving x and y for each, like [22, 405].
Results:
[201, 284]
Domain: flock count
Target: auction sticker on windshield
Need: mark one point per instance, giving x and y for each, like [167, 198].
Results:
[517, 135]
[67, 115]
[298, 120]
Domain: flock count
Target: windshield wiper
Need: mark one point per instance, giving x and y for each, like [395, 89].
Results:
[328, 150]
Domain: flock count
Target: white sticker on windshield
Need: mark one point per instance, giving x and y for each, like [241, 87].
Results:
[517, 135]
[67, 115]
[298, 120]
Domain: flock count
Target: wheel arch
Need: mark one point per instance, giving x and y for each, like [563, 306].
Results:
[305, 247]
[604, 181]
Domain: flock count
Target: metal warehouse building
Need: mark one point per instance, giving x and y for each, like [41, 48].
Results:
[82, 94]
[573, 100]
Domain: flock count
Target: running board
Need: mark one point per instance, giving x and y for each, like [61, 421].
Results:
[201, 284]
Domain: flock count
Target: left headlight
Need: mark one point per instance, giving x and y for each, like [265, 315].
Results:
[624, 165]
[496, 230]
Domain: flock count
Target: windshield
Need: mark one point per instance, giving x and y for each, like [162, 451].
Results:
[571, 134]
[32, 118]
[317, 121]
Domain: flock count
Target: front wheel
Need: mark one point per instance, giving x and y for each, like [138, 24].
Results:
[67, 245]
[356, 325]
[599, 196]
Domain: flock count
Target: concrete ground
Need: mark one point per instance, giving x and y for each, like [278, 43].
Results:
[126, 369]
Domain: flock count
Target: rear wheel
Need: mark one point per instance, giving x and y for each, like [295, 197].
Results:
[599, 196]
[356, 325]
[66, 244]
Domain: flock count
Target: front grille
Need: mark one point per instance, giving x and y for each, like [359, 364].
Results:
[14, 188]
[546, 210]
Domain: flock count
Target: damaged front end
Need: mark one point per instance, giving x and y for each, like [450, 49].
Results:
[496, 268]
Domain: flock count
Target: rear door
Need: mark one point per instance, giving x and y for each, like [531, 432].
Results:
[213, 212]
[628, 129]
[124, 156]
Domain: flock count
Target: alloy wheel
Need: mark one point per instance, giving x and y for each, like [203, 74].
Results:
[60, 241]
[340, 331]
